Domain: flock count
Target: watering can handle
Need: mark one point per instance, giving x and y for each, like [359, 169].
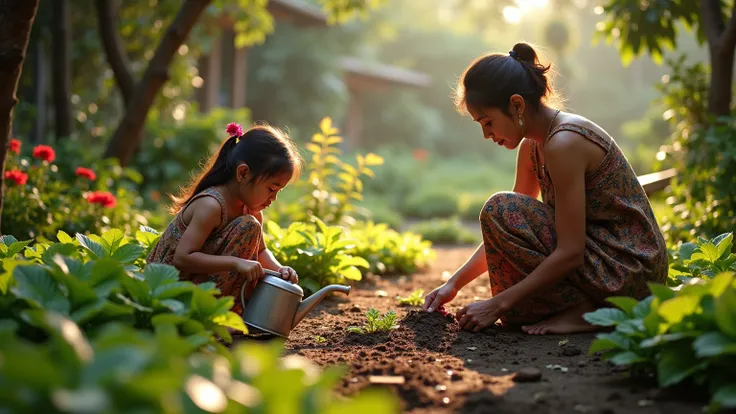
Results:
[268, 272]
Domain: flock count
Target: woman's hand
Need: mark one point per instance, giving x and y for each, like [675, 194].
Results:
[439, 297]
[287, 273]
[480, 315]
[251, 269]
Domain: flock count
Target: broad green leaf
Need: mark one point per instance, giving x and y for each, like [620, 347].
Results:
[112, 239]
[174, 306]
[726, 312]
[725, 396]
[675, 309]
[707, 251]
[686, 250]
[146, 238]
[625, 303]
[116, 363]
[8, 239]
[138, 290]
[168, 319]
[36, 286]
[661, 291]
[63, 249]
[6, 277]
[351, 273]
[627, 358]
[606, 317]
[157, 274]
[63, 237]
[643, 308]
[714, 344]
[231, 320]
[662, 339]
[632, 327]
[354, 261]
[721, 282]
[106, 276]
[17, 247]
[172, 290]
[723, 244]
[33, 366]
[87, 312]
[608, 341]
[95, 249]
[676, 363]
[128, 253]
[368, 401]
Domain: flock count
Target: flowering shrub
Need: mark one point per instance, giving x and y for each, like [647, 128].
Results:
[41, 198]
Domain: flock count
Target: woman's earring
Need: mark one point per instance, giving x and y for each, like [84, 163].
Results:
[521, 125]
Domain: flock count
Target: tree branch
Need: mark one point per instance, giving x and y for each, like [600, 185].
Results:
[114, 50]
[729, 34]
[129, 133]
[711, 21]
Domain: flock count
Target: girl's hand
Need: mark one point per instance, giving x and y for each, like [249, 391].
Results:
[438, 297]
[480, 315]
[287, 273]
[251, 269]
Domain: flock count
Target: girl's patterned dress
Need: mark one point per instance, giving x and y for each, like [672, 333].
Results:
[624, 247]
[240, 237]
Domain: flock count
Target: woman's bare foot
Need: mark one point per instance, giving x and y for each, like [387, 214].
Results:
[568, 321]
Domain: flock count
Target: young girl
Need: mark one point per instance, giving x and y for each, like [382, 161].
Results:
[216, 234]
[594, 234]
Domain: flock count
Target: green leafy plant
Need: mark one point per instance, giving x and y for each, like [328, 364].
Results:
[95, 280]
[704, 258]
[389, 251]
[127, 370]
[376, 323]
[686, 333]
[46, 194]
[317, 252]
[333, 185]
[414, 299]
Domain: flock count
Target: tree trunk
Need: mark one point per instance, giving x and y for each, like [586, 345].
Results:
[129, 133]
[721, 80]
[16, 21]
[62, 73]
[114, 49]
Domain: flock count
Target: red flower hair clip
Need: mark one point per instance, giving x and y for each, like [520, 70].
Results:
[235, 130]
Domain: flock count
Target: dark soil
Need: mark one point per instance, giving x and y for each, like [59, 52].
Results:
[448, 370]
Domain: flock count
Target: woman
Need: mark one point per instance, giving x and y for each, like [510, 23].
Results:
[593, 235]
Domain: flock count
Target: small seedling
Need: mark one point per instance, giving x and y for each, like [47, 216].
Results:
[414, 299]
[320, 339]
[376, 323]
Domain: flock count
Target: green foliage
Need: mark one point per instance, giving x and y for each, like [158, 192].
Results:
[317, 252]
[702, 259]
[471, 204]
[333, 185]
[126, 371]
[704, 152]
[53, 198]
[445, 231]
[95, 280]
[376, 323]
[387, 250]
[87, 326]
[637, 27]
[687, 333]
[414, 299]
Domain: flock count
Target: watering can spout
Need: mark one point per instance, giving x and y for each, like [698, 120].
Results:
[316, 298]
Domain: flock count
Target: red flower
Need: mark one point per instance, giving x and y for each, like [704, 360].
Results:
[235, 130]
[86, 173]
[15, 146]
[44, 152]
[18, 176]
[102, 198]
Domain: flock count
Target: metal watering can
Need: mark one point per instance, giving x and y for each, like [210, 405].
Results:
[276, 305]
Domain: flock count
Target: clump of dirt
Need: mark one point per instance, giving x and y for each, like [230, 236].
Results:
[433, 331]
[371, 339]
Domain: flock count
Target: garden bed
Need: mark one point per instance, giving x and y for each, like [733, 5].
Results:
[447, 370]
